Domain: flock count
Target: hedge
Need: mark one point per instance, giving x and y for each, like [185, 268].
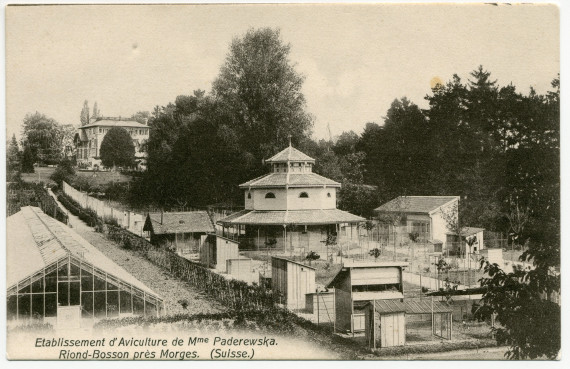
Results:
[232, 293]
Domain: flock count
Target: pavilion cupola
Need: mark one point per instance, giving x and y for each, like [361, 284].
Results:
[291, 160]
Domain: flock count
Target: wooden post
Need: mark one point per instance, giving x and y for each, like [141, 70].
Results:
[374, 323]
[432, 322]
[318, 309]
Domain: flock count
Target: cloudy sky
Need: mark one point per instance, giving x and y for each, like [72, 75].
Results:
[356, 58]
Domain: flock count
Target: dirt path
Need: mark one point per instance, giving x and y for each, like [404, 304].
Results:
[160, 281]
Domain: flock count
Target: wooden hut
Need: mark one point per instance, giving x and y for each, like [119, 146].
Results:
[358, 283]
[385, 320]
[292, 280]
[183, 231]
[217, 250]
[321, 304]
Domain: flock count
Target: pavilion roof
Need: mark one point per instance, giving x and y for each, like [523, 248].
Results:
[290, 154]
[299, 217]
[290, 179]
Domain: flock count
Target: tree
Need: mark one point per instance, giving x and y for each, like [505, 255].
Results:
[376, 252]
[521, 301]
[43, 137]
[359, 199]
[63, 172]
[260, 95]
[96, 113]
[13, 156]
[142, 117]
[117, 148]
[84, 116]
[67, 133]
[27, 160]
[454, 223]
[312, 256]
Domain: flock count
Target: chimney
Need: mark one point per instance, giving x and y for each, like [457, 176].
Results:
[145, 121]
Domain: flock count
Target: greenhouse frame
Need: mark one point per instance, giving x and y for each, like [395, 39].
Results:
[66, 277]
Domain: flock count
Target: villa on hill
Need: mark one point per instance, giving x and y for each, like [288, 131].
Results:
[90, 136]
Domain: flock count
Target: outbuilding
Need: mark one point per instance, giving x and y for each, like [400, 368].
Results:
[358, 283]
[385, 320]
[56, 276]
[185, 232]
[292, 281]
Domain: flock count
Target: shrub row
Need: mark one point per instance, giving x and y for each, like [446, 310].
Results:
[86, 215]
[232, 293]
[33, 194]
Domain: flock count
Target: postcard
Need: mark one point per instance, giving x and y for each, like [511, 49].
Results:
[336, 181]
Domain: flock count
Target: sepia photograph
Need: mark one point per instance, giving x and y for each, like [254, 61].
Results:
[326, 181]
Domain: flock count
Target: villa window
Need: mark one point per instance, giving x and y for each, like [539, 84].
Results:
[304, 195]
[329, 194]
[249, 195]
[270, 195]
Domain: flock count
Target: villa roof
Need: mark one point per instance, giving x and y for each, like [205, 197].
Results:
[179, 222]
[281, 217]
[291, 180]
[115, 123]
[416, 204]
[36, 240]
[289, 154]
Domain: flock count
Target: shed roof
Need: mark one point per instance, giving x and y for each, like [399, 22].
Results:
[179, 222]
[416, 204]
[345, 270]
[469, 231]
[412, 307]
[36, 240]
[290, 179]
[292, 261]
[289, 154]
[302, 217]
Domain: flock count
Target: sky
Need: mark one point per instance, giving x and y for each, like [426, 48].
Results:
[356, 58]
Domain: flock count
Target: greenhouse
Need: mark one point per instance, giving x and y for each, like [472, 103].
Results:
[55, 276]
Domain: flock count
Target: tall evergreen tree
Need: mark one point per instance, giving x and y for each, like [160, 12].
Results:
[96, 113]
[27, 160]
[13, 156]
[85, 117]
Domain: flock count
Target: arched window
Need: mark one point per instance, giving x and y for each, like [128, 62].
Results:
[304, 195]
[270, 195]
[249, 195]
[329, 194]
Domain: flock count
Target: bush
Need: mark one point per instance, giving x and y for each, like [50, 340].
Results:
[63, 172]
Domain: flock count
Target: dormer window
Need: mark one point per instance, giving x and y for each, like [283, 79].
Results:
[304, 195]
[270, 195]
